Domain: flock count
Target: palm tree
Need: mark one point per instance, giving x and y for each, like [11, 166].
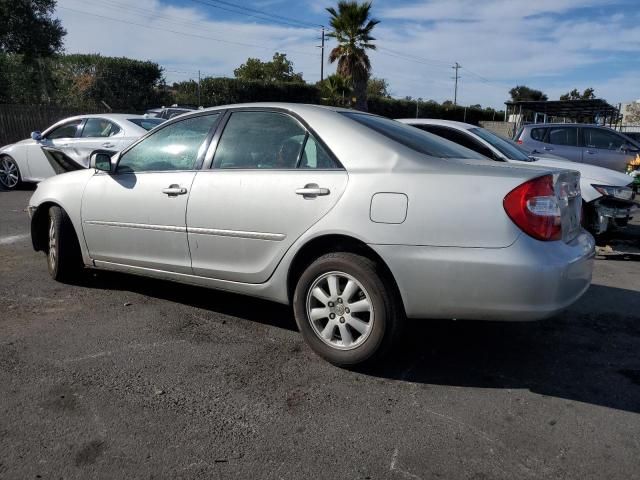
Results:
[336, 90]
[352, 26]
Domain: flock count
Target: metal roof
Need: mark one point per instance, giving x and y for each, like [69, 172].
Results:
[566, 108]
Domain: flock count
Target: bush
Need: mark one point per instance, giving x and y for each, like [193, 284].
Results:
[223, 91]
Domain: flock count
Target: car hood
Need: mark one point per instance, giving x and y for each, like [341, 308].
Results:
[26, 140]
[600, 175]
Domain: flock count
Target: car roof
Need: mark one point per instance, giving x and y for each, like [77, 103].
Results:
[559, 124]
[108, 116]
[437, 121]
[300, 108]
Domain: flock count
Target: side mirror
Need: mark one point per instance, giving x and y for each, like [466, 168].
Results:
[37, 136]
[101, 160]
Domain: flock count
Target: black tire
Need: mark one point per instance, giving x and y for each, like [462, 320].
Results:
[10, 176]
[375, 286]
[64, 259]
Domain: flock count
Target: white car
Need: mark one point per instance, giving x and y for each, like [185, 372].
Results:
[608, 196]
[76, 137]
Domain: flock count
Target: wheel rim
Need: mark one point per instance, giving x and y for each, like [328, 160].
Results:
[8, 173]
[340, 310]
[53, 247]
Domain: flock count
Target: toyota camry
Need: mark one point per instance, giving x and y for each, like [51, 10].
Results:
[355, 220]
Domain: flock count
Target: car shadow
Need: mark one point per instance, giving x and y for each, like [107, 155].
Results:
[217, 301]
[24, 187]
[587, 354]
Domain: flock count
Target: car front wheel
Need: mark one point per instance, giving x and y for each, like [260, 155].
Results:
[9, 173]
[347, 309]
[64, 260]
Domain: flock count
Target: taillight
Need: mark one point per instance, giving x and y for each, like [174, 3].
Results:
[534, 207]
[519, 142]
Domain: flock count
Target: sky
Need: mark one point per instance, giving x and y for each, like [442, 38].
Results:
[551, 45]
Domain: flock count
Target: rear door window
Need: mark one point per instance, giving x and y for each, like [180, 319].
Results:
[563, 136]
[538, 134]
[99, 127]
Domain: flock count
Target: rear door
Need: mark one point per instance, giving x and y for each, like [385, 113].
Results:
[271, 180]
[563, 141]
[97, 133]
[532, 138]
[604, 148]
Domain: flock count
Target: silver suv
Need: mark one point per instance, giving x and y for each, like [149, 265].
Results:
[599, 146]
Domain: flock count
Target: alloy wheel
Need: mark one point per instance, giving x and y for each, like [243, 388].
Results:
[53, 245]
[340, 310]
[8, 173]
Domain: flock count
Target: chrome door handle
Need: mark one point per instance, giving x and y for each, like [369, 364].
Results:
[548, 149]
[312, 190]
[590, 152]
[108, 145]
[174, 190]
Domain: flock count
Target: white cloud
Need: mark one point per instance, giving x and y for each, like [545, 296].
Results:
[150, 34]
[541, 43]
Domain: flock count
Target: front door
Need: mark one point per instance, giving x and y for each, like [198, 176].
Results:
[271, 181]
[136, 215]
[604, 148]
[60, 137]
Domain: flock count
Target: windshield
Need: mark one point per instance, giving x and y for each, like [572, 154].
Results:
[503, 146]
[146, 123]
[413, 138]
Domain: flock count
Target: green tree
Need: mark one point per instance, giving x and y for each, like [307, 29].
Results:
[279, 69]
[336, 90]
[29, 30]
[523, 93]
[378, 87]
[587, 94]
[352, 26]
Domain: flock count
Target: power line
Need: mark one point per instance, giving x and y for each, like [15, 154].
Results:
[255, 13]
[230, 42]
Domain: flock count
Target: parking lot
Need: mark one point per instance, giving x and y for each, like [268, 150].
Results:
[125, 377]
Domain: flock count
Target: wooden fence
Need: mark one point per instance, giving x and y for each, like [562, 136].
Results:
[18, 121]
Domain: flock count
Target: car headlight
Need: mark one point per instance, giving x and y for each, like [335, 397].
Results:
[622, 193]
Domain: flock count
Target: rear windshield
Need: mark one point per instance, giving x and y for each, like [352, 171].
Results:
[505, 147]
[413, 138]
[146, 123]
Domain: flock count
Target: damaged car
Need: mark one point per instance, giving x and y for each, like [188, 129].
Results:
[608, 196]
[67, 144]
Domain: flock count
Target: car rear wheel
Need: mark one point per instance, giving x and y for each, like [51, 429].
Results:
[64, 260]
[9, 173]
[347, 309]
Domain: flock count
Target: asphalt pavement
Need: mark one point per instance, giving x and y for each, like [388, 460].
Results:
[126, 377]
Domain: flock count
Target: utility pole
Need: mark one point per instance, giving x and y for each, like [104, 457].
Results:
[322, 57]
[456, 67]
[199, 103]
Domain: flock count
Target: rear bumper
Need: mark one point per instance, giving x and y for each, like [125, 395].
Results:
[530, 280]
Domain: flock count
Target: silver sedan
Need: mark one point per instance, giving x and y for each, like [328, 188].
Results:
[355, 220]
[75, 138]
